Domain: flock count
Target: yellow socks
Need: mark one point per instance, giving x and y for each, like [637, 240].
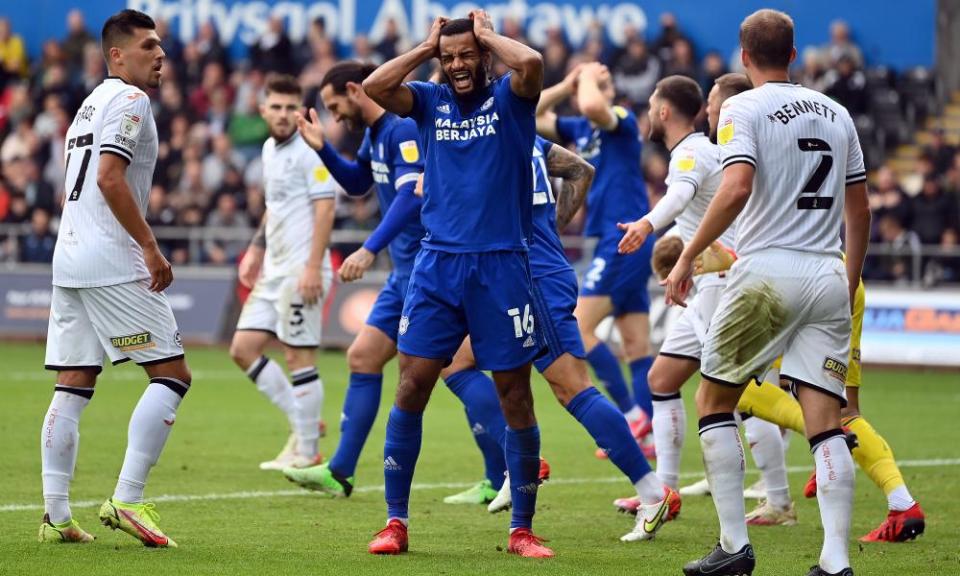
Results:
[875, 458]
[769, 402]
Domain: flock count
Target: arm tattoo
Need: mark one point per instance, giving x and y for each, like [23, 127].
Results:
[577, 176]
[260, 238]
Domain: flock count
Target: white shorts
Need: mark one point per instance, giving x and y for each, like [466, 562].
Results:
[782, 302]
[275, 306]
[686, 336]
[124, 321]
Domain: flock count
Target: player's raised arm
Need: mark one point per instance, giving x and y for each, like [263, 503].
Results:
[577, 176]
[593, 104]
[550, 98]
[385, 84]
[112, 181]
[526, 63]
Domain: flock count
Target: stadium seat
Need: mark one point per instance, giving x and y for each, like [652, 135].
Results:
[885, 107]
[918, 89]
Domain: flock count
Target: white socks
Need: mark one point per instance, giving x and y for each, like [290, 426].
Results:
[724, 463]
[899, 499]
[308, 401]
[835, 474]
[59, 440]
[766, 446]
[273, 383]
[669, 431]
[150, 426]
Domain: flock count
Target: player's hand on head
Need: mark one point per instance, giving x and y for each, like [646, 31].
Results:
[570, 80]
[482, 24]
[310, 285]
[311, 129]
[433, 38]
[356, 264]
[634, 237]
[678, 283]
[161, 273]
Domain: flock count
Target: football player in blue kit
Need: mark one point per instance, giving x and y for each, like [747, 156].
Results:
[388, 158]
[608, 137]
[472, 274]
[563, 366]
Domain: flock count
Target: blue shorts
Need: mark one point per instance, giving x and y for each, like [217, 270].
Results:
[484, 294]
[386, 311]
[554, 299]
[622, 277]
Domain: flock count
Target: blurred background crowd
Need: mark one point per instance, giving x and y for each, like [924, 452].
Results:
[209, 174]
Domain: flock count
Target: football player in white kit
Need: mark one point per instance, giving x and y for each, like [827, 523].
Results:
[108, 282]
[792, 165]
[291, 248]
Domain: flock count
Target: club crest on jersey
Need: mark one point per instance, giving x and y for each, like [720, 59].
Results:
[409, 151]
[835, 369]
[404, 324]
[725, 133]
[487, 105]
[443, 108]
[141, 341]
[130, 125]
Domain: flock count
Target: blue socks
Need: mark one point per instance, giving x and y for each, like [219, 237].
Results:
[607, 368]
[359, 412]
[610, 431]
[400, 452]
[641, 390]
[479, 396]
[523, 462]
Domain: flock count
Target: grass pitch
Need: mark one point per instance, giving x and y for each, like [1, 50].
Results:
[231, 518]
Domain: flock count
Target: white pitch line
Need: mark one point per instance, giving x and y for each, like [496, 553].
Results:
[256, 494]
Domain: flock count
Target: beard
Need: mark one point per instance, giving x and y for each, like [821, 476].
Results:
[657, 133]
[713, 135]
[479, 82]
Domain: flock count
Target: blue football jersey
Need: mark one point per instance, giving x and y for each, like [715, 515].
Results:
[477, 177]
[391, 148]
[546, 254]
[619, 193]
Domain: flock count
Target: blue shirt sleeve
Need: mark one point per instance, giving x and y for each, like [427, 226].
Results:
[355, 177]
[423, 93]
[545, 145]
[518, 104]
[405, 152]
[626, 122]
[404, 209]
[569, 127]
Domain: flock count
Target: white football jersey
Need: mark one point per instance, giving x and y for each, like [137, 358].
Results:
[696, 160]
[294, 176]
[93, 249]
[805, 150]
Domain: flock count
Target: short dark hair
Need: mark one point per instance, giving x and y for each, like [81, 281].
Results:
[683, 94]
[733, 83]
[348, 71]
[121, 25]
[282, 84]
[767, 36]
[457, 26]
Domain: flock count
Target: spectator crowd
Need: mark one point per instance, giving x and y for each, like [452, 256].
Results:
[209, 173]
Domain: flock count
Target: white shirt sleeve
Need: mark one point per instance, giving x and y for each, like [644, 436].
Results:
[320, 184]
[736, 133]
[123, 123]
[679, 193]
[856, 171]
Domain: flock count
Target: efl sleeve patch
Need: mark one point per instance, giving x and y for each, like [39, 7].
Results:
[321, 175]
[620, 111]
[130, 125]
[686, 163]
[725, 133]
[409, 151]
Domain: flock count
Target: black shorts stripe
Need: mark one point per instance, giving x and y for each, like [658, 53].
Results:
[83, 392]
[818, 439]
[298, 346]
[58, 368]
[258, 367]
[724, 382]
[679, 356]
[172, 383]
[795, 382]
[161, 360]
[665, 397]
[120, 361]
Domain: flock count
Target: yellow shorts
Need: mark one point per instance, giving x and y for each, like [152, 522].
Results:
[854, 374]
